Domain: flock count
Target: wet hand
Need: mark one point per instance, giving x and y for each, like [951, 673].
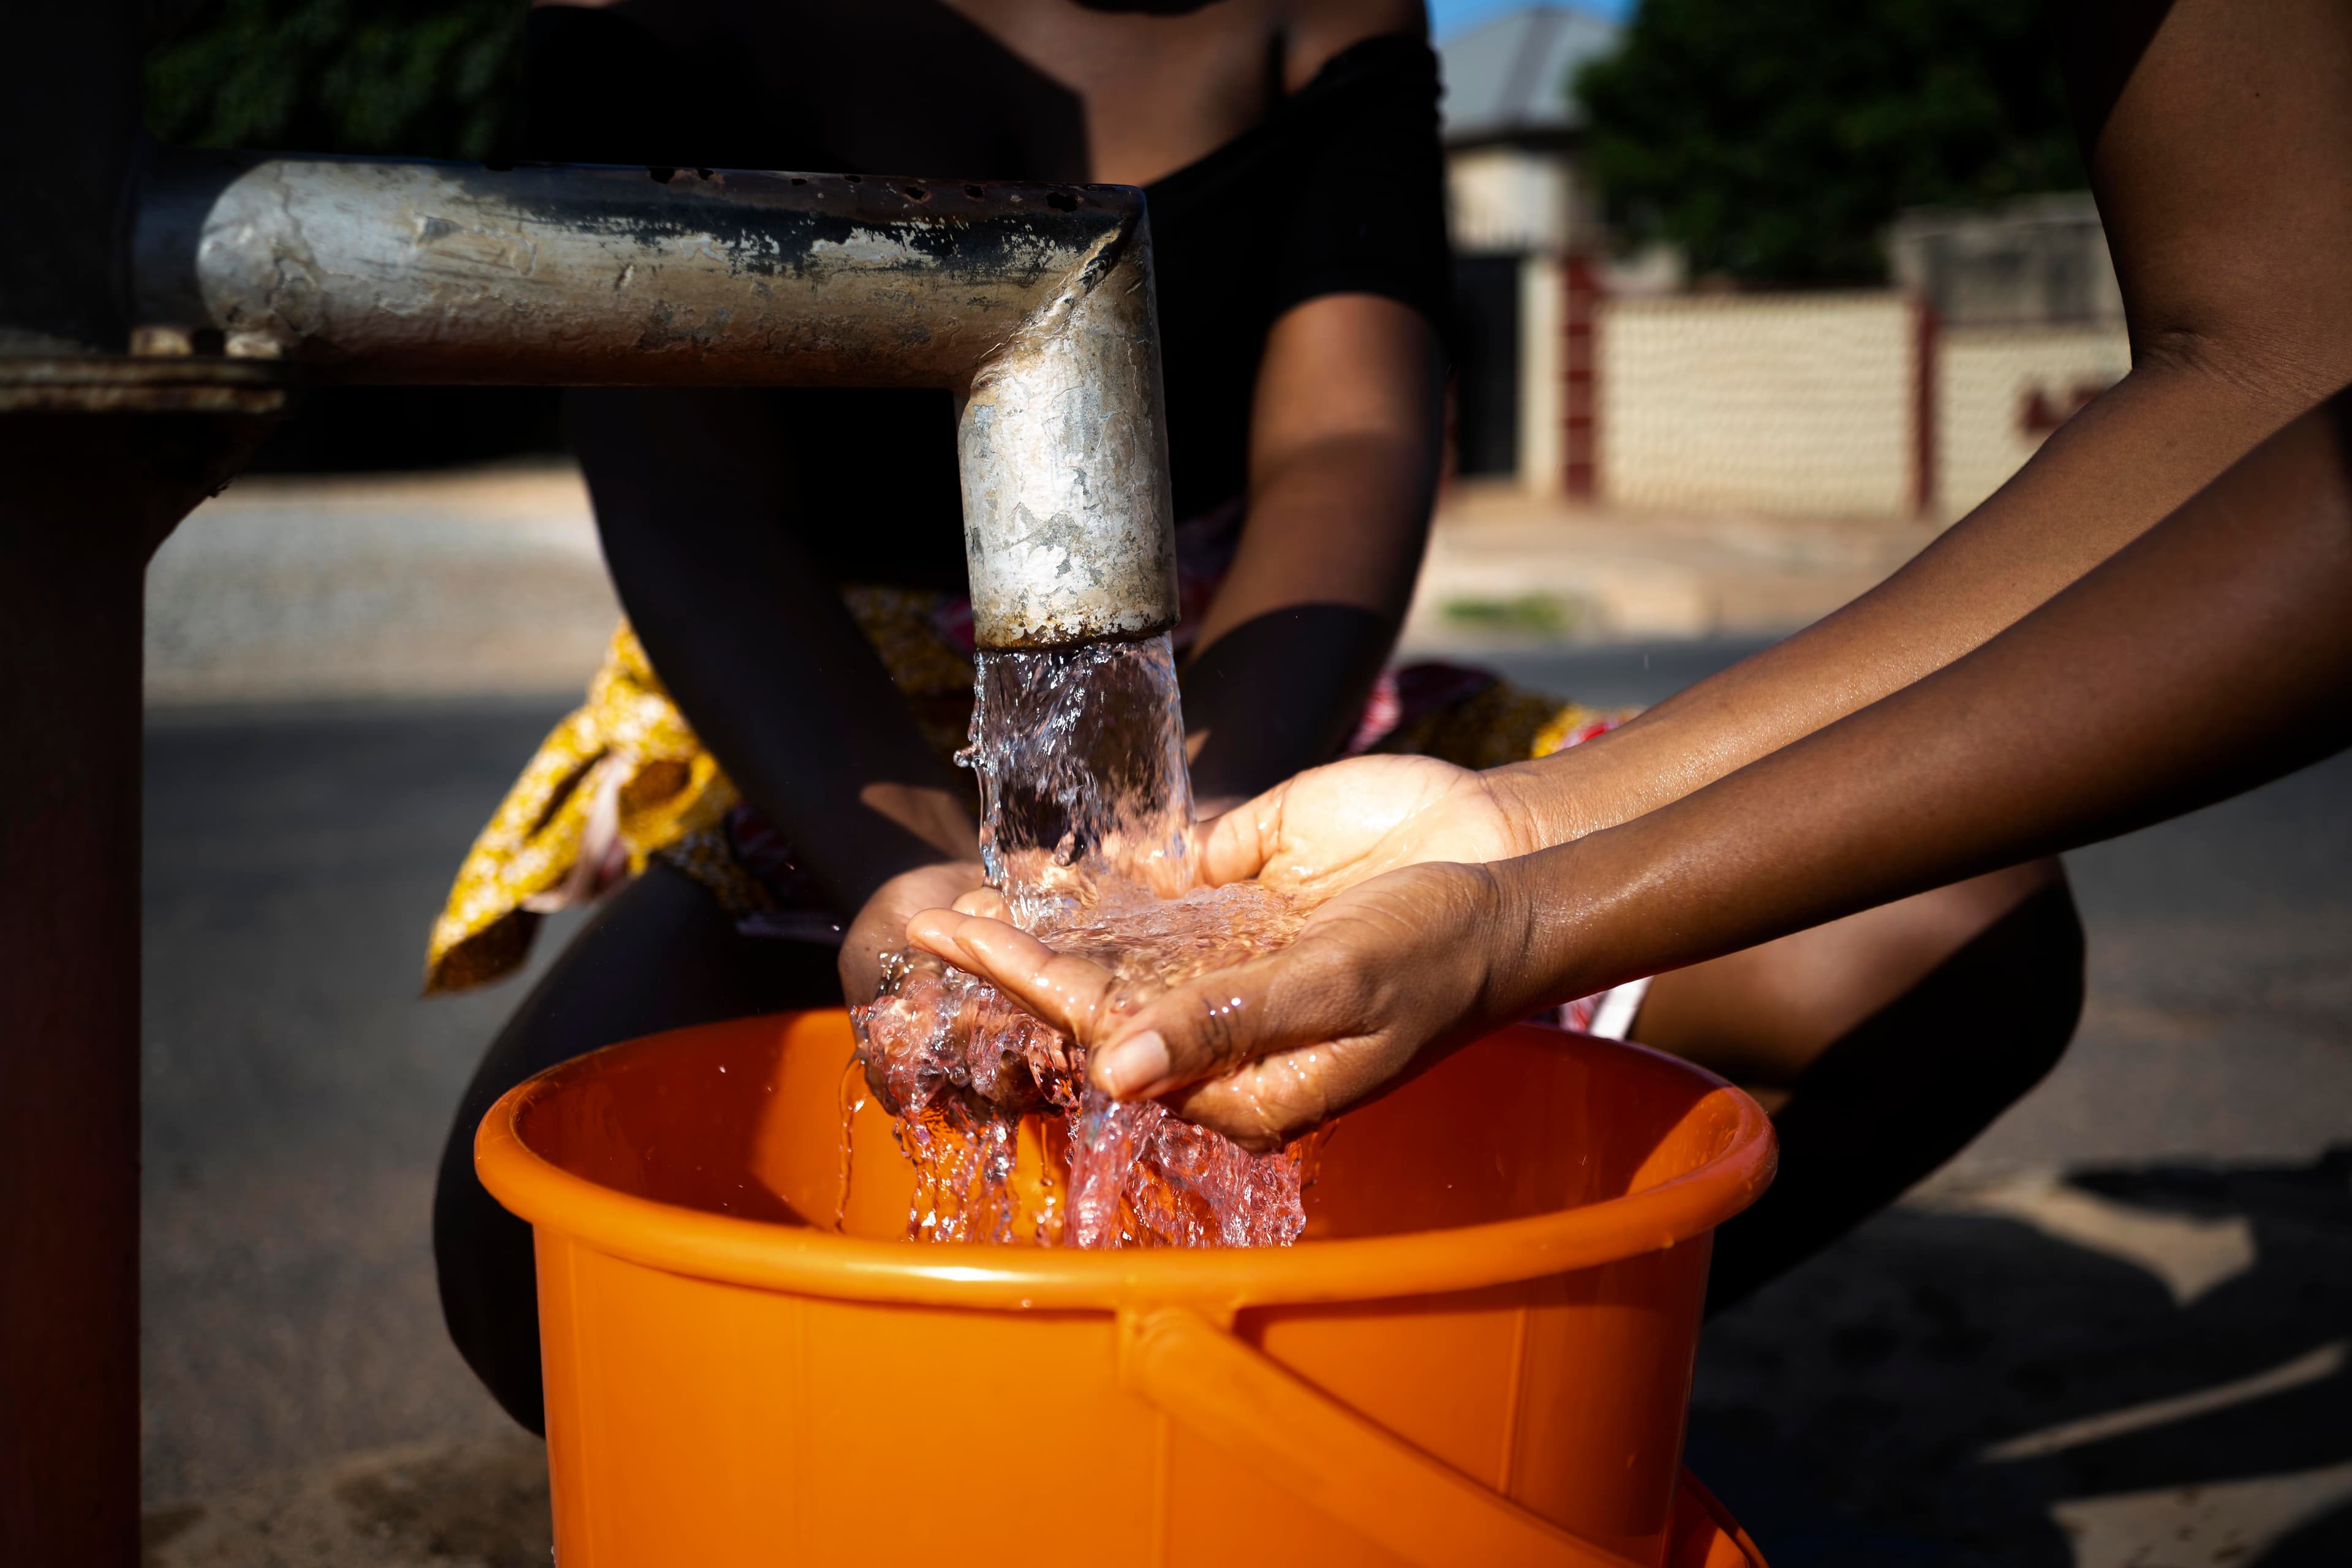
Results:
[899, 1046]
[881, 925]
[1384, 976]
[1336, 827]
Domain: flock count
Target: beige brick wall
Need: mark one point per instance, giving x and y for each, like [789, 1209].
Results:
[1785, 403]
[1996, 390]
[1542, 371]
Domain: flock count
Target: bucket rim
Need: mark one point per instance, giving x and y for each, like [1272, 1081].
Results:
[765, 1255]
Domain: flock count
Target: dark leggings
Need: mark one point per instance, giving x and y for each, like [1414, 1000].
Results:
[1882, 1107]
[1909, 1087]
[660, 954]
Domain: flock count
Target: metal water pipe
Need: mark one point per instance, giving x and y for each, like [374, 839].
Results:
[157, 311]
[1033, 303]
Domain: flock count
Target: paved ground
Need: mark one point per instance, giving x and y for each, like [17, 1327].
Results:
[297, 1091]
[1506, 570]
[2113, 1333]
[488, 580]
[287, 589]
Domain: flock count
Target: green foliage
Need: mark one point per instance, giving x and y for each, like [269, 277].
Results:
[1544, 616]
[423, 78]
[1773, 140]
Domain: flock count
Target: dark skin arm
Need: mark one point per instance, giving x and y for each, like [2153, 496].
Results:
[700, 517]
[2211, 655]
[1344, 443]
[2221, 150]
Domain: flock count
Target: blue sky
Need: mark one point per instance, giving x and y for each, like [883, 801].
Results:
[1447, 17]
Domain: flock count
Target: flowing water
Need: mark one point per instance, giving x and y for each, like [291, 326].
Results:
[1085, 807]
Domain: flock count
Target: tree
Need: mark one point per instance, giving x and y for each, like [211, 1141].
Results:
[1773, 140]
[425, 78]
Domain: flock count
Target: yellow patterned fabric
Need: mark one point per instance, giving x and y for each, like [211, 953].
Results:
[1503, 723]
[613, 783]
[625, 779]
[928, 670]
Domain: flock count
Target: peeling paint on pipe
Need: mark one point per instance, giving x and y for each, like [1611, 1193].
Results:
[1033, 303]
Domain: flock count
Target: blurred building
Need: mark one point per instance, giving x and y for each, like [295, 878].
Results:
[2037, 261]
[1813, 402]
[1586, 374]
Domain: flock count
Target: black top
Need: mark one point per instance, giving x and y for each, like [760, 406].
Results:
[1340, 190]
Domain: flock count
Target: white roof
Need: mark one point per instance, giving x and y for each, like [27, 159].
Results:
[1510, 77]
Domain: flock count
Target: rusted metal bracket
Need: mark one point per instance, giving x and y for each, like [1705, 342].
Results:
[1033, 303]
[134, 384]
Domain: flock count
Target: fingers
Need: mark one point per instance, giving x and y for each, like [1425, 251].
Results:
[1210, 1026]
[1329, 827]
[1380, 971]
[1191, 1033]
[1237, 844]
[1260, 1051]
[1072, 993]
[985, 903]
[879, 924]
[1264, 1104]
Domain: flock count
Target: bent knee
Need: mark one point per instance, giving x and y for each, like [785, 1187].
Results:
[2031, 967]
[1765, 1015]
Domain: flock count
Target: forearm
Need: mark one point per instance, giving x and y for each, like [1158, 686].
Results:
[1344, 440]
[804, 722]
[2222, 156]
[1308, 614]
[2111, 473]
[2211, 655]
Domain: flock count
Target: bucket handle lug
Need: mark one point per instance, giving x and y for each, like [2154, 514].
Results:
[1362, 1474]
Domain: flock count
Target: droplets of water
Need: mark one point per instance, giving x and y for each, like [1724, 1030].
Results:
[1085, 803]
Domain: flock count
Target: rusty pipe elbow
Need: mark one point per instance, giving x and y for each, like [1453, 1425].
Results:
[1033, 303]
[1068, 530]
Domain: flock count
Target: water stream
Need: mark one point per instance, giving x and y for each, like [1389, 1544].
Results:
[1085, 803]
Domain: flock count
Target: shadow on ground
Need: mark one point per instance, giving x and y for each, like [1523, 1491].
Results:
[1957, 1388]
[481, 1504]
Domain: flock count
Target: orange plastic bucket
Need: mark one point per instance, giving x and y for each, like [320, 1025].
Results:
[1481, 1352]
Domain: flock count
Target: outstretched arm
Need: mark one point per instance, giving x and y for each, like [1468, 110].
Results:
[2209, 656]
[2220, 151]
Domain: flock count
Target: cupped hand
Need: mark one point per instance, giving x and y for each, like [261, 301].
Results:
[1336, 827]
[1383, 977]
[881, 925]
